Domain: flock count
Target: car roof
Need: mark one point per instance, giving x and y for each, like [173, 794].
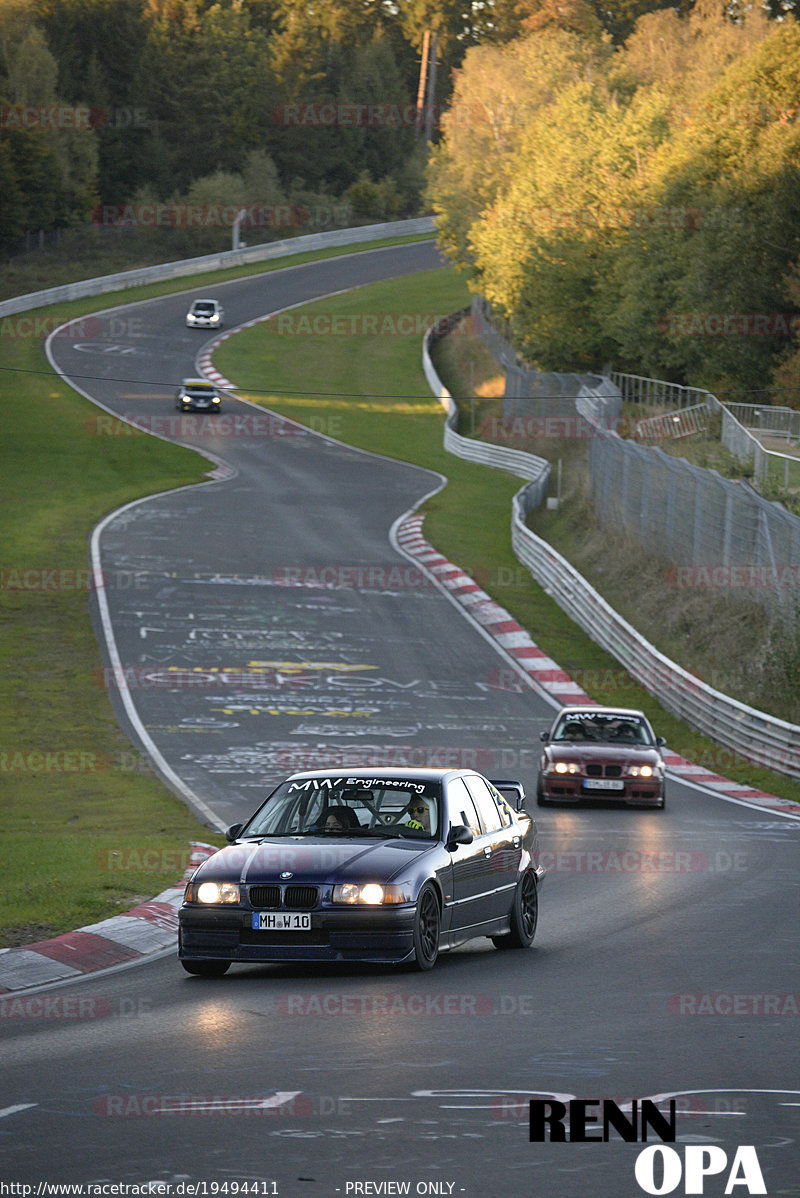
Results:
[595, 709]
[392, 774]
[198, 383]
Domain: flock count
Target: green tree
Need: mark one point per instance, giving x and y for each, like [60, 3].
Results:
[734, 167]
[12, 199]
[500, 95]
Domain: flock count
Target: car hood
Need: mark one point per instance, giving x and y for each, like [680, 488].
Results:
[312, 859]
[567, 751]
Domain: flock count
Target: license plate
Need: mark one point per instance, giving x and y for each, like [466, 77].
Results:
[603, 784]
[282, 921]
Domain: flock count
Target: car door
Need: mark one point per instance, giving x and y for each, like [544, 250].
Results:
[501, 847]
[467, 902]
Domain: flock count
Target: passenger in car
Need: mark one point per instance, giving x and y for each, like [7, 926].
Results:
[340, 819]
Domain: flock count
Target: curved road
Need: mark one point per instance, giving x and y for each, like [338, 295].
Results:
[665, 962]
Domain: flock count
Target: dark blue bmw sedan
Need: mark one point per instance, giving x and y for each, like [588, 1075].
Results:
[371, 865]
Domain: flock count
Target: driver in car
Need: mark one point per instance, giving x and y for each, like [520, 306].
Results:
[419, 816]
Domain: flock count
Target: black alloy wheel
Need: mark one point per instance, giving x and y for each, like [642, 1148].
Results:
[524, 916]
[427, 924]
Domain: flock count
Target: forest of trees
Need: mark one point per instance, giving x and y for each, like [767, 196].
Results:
[621, 178]
[224, 102]
[635, 204]
[219, 102]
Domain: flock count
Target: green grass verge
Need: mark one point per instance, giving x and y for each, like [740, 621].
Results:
[74, 791]
[370, 392]
[88, 829]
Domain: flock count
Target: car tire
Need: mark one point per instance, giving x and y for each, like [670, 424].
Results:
[524, 916]
[541, 801]
[427, 927]
[206, 969]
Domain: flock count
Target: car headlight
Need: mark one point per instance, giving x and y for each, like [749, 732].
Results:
[214, 318]
[371, 894]
[566, 767]
[212, 892]
[643, 771]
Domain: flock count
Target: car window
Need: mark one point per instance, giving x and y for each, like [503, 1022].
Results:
[506, 811]
[462, 807]
[603, 727]
[336, 805]
[487, 808]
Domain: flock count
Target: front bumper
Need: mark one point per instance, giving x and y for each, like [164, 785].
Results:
[383, 935]
[571, 789]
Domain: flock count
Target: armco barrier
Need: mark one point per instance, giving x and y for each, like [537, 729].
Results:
[762, 738]
[524, 465]
[221, 261]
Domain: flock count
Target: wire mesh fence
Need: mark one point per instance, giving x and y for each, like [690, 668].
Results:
[718, 534]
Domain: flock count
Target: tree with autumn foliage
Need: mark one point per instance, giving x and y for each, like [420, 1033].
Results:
[647, 193]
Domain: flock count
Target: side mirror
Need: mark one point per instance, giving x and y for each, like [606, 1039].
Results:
[232, 833]
[661, 741]
[544, 735]
[459, 834]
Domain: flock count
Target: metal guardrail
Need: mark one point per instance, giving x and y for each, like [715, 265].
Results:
[754, 734]
[774, 420]
[515, 461]
[735, 435]
[743, 426]
[221, 261]
[671, 425]
[637, 388]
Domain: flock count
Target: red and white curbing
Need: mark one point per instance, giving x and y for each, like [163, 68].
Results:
[145, 929]
[208, 368]
[544, 672]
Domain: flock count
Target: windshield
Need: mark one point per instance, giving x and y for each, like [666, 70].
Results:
[605, 727]
[342, 807]
[203, 307]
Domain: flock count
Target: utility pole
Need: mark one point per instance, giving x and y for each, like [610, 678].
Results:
[431, 89]
[423, 77]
